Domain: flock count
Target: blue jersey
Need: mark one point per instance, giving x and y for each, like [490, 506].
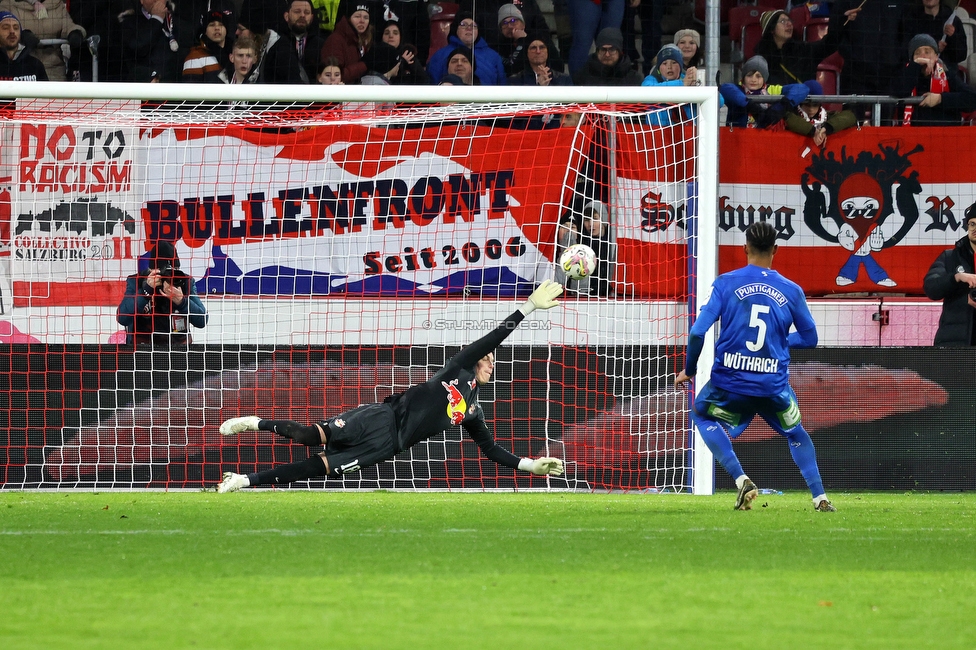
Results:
[756, 307]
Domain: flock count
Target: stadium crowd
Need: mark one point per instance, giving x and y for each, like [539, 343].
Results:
[785, 51]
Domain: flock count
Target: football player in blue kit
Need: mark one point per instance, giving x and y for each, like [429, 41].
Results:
[756, 307]
[372, 433]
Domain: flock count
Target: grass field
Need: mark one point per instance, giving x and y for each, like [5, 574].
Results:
[407, 570]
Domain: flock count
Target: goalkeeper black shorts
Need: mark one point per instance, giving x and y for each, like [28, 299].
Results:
[361, 437]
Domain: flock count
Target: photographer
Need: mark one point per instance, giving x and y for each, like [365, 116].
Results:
[952, 279]
[161, 302]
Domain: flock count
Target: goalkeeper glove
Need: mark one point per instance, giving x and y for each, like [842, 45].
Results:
[542, 466]
[544, 297]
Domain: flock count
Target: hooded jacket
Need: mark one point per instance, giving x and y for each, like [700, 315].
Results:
[23, 67]
[57, 24]
[594, 73]
[488, 65]
[343, 44]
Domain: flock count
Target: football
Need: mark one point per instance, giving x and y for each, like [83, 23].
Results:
[578, 261]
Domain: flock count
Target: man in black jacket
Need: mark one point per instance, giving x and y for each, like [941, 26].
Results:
[608, 66]
[952, 279]
[17, 64]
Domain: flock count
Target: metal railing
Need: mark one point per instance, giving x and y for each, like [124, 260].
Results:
[92, 41]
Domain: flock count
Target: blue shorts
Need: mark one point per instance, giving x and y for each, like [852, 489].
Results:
[734, 411]
[359, 438]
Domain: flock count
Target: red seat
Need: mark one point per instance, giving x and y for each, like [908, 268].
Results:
[799, 15]
[723, 11]
[815, 29]
[745, 32]
[441, 16]
[828, 74]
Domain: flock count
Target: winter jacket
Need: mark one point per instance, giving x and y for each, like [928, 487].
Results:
[742, 112]
[343, 44]
[595, 73]
[488, 66]
[960, 99]
[23, 67]
[58, 24]
[956, 321]
[796, 61]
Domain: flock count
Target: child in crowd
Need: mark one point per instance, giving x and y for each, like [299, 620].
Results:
[243, 62]
[203, 63]
[814, 121]
[330, 73]
[762, 115]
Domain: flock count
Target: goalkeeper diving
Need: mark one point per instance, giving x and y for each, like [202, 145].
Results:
[372, 433]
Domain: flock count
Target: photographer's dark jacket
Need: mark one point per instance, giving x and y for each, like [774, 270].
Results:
[956, 321]
[148, 319]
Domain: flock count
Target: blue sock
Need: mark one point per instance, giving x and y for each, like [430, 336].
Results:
[719, 444]
[805, 457]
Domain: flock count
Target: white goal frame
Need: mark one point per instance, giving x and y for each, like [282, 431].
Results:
[706, 99]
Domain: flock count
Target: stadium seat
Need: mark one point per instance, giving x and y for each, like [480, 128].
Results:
[441, 16]
[815, 29]
[799, 15]
[745, 32]
[828, 74]
[723, 11]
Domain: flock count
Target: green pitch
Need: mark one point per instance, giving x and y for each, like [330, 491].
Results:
[405, 570]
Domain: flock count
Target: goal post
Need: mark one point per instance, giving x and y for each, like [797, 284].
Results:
[345, 241]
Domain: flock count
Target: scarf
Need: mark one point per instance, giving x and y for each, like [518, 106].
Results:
[817, 119]
[939, 83]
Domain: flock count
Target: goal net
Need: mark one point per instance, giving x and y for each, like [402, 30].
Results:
[344, 243]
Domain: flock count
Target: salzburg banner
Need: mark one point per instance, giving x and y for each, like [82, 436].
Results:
[869, 212]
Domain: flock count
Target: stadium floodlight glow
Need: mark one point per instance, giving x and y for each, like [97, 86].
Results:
[346, 240]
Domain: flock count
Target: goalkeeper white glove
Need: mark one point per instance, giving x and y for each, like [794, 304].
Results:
[544, 297]
[542, 466]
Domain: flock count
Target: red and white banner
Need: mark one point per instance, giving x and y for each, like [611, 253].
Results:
[869, 212]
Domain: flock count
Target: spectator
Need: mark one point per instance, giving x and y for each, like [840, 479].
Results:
[243, 59]
[460, 65]
[870, 47]
[485, 13]
[670, 72]
[304, 34]
[792, 61]
[412, 72]
[649, 13]
[537, 71]
[488, 67]
[151, 43]
[588, 19]
[934, 18]
[608, 66]
[382, 65]
[352, 38]
[814, 121]
[692, 54]
[945, 97]
[205, 61]
[744, 113]
[451, 80]
[592, 228]
[278, 62]
[18, 64]
[46, 19]
[513, 43]
[952, 279]
[161, 302]
[413, 22]
[330, 73]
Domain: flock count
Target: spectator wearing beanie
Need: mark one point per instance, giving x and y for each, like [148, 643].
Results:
[45, 20]
[791, 60]
[811, 119]
[588, 18]
[488, 66]
[412, 71]
[945, 96]
[351, 40]
[16, 64]
[670, 72]
[608, 66]
[486, 13]
[513, 43]
[537, 70]
[207, 58]
[761, 115]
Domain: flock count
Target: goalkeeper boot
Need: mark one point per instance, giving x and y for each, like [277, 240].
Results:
[747, 494]
[825, 506]
[232, 482]
[234, 426]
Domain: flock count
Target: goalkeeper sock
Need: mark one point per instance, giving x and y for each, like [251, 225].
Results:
[309, 468]
[805, 457]
[300, 433]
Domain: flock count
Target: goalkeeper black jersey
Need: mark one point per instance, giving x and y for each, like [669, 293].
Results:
[450, 398]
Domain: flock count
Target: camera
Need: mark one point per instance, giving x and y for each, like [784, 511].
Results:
[972, 295]
[174, 276]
